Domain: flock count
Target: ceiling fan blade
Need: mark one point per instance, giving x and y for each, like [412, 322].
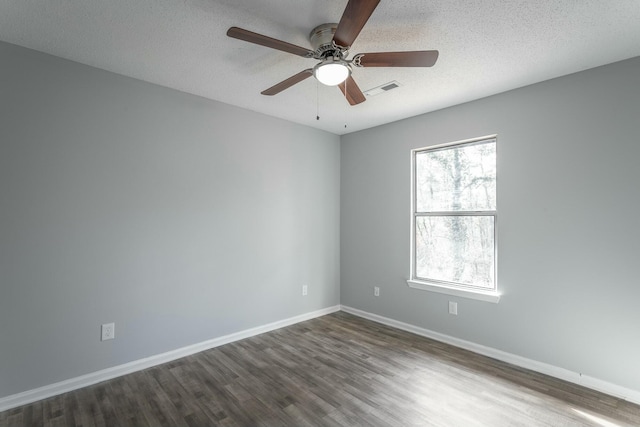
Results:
[355, 15]
[352, 92]
[286, 84]
[251, 37]
[418, 58]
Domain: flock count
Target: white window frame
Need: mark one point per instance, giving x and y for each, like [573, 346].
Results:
[450, 288]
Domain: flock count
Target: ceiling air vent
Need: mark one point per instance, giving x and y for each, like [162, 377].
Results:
[382, 88]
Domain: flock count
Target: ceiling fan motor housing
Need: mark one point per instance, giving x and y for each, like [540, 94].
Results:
[321, 39]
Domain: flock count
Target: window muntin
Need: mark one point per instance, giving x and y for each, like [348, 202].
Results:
[454, 215]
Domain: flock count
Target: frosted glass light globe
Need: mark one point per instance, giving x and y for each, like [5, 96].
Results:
[331, 72]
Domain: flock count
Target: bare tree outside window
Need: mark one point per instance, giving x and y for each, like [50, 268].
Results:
[455, 214]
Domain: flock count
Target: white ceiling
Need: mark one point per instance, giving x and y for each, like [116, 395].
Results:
[486, 47]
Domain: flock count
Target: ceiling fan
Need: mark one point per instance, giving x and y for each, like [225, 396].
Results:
[331, 43]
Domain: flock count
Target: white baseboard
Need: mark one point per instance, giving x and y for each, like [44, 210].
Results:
[533, 365]
[71, 384]
[44, 392]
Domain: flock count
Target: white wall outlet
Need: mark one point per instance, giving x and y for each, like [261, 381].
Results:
[305, 290]
[108, 331]
[376, 291]
[453, 308]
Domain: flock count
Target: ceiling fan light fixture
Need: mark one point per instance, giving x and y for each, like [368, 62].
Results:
[332, 72]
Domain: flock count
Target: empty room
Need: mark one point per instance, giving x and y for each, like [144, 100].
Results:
[319, 213]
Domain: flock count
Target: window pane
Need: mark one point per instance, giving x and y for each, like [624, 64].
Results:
[459, 178]
[456, 249]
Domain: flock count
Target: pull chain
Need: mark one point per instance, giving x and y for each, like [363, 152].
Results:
[346, 97]
[317, 101]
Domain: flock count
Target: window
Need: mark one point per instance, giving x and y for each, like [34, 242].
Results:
[453, 231]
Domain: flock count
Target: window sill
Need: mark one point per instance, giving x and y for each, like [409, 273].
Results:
[488, 296]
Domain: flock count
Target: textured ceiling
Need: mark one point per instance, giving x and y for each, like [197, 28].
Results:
[486, 47]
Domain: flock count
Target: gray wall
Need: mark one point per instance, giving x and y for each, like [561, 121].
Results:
[178, 218]
[568, 203]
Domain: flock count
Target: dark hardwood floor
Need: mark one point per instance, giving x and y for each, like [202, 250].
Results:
[337, 370]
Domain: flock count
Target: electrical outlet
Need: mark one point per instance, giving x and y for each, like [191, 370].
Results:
[453, 308]
[376, 291]
[305, 290]
[108, 331]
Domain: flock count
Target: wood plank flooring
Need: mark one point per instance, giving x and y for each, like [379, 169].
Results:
[337, 370]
